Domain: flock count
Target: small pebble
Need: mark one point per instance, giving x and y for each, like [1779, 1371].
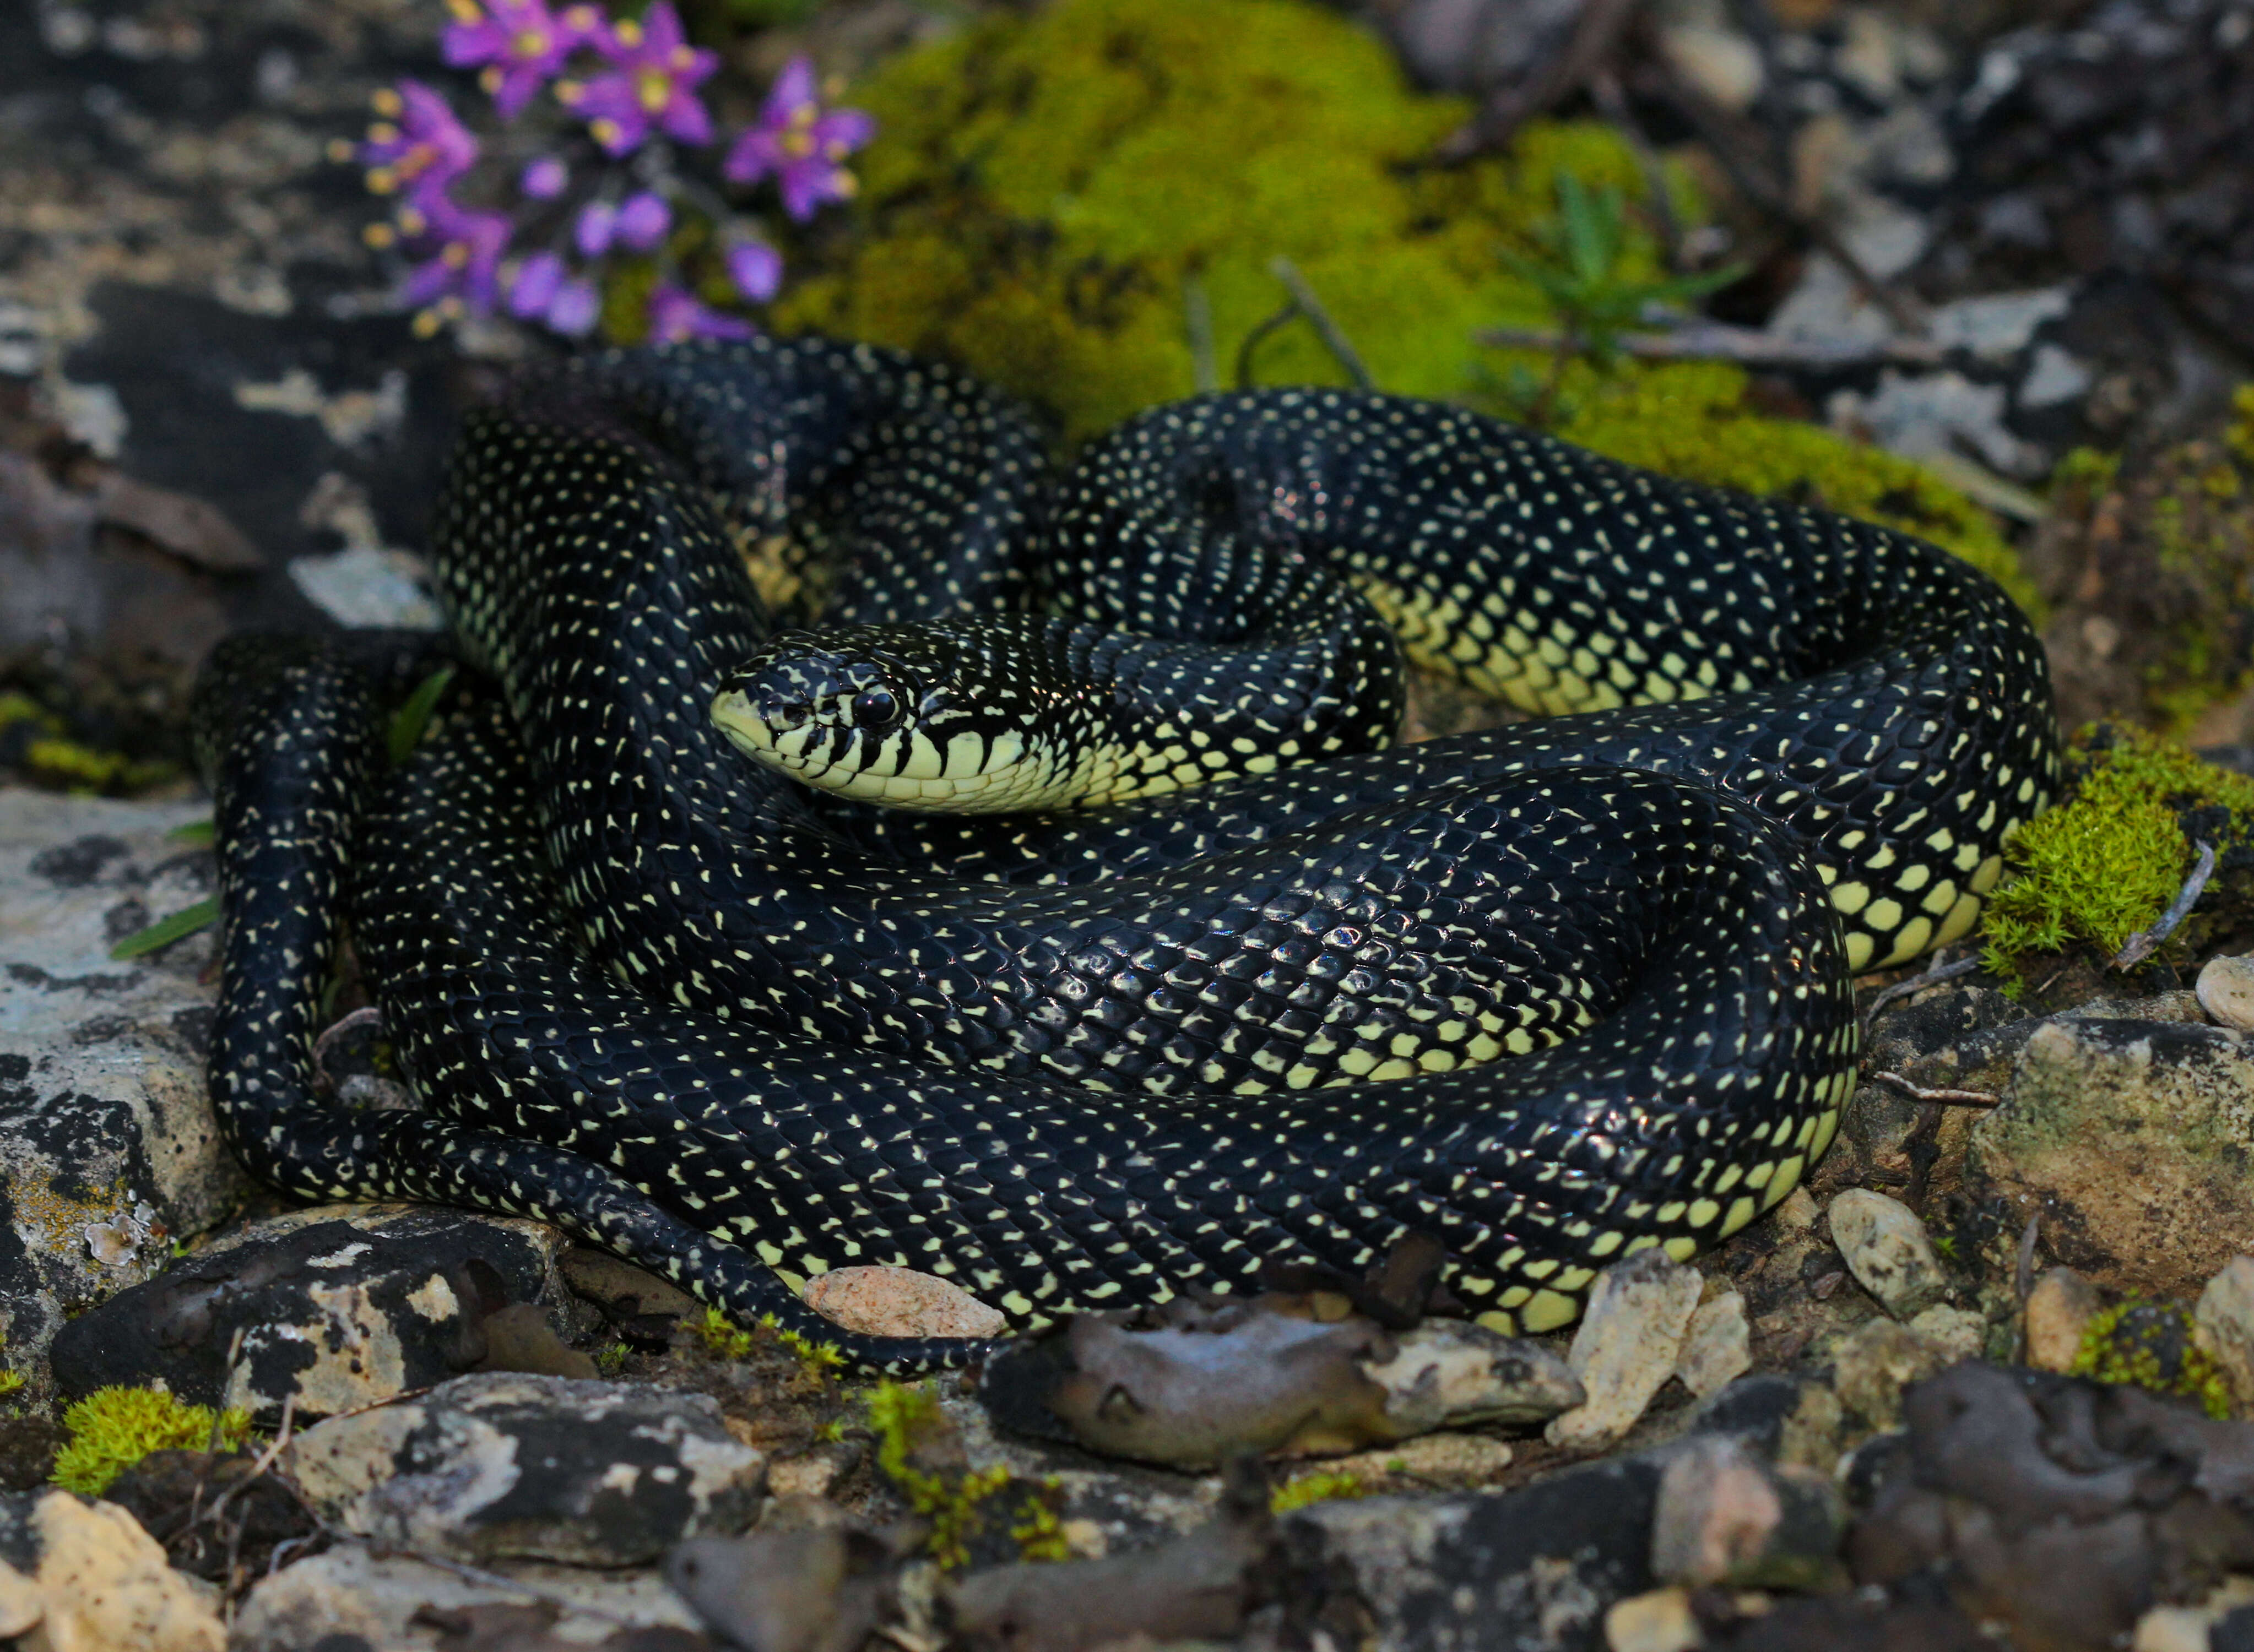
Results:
[1886, 1248]
[2226, 991]
[2059, 1310]
[1717, 1348]
[2224, 1319]
[1874, 1365]
[1627, 1343]
[881, 1301]
[1659, 1621]
[1958, 1332]
[1724, 1518]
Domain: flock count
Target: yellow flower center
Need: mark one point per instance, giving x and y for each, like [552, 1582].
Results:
[629, 33]
[606, 132]
[798, 145]
[530, 43]
[654, 88]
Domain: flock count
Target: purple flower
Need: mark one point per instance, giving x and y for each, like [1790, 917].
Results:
[675, 315]
[643, 219]
[467, 263]
[575, 307]
[651, 84]
[518, 43]
[544, 177]
[538, 280]
[420, 147]
[598, 223]
[756, 268]
[801, 143]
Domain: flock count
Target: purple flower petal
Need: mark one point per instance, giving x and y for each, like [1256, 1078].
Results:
[575, 307]
[593, 233]
[538, 280]
[643, 220]
[545, 178]
[752, 156]
[794, 90]
[675, 315]
[756, 270]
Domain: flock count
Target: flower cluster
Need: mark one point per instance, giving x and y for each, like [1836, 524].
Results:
[603, 170]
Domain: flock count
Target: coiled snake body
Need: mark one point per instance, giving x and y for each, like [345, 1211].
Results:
[1550, 993]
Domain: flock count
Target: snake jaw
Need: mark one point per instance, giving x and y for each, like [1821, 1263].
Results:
[906, 716]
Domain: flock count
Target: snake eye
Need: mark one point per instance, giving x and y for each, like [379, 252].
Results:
[875, 709]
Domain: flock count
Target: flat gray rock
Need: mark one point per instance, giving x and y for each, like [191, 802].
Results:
[501, 1466]
[107, 1144]
[336, 1307]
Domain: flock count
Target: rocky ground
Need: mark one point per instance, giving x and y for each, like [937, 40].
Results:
[1988, 1378]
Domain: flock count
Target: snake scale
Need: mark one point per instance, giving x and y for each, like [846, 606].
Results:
[1550, 993]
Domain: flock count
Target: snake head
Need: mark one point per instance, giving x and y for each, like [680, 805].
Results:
[952, 717]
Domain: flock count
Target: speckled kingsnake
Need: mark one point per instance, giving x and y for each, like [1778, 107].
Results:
[734, 1028]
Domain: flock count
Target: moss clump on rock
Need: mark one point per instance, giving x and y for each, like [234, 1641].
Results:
[2105, 864]
[1048, 197]
[114, 1428]
[2150, 1345]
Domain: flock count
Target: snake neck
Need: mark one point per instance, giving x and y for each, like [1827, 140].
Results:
[1017, 714]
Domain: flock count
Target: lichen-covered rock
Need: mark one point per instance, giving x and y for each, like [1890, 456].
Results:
[2225, 1318]
[338, 1305]
[507, 1465]
[1886, 1249]
[75, 1575]
[1533, 1568]
[2130, 1140]
[348, 1598]
[1627, 1344]
[1716, 1345]
[1194, 1384]
[1874, 1363]
[108, 1144]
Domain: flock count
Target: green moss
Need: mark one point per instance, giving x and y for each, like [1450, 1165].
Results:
[724, 1340]
[2150, 1345]
[2240, 436]
[1322, 1486]
[112, 1428]
[1040, 192]
[2107, 863]
[960, 1502]
[1043, 192]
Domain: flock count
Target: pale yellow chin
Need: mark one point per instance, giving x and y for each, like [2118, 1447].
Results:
[904, 769]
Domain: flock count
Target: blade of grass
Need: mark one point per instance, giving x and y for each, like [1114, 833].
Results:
[408, 722]
[193, 831]
[164, 931]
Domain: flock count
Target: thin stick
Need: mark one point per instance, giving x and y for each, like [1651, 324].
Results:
[1933, 977]
[1311, 307]
[1197, 322]
[1947, 1098]
[1597, 32]
[2140, 946]
[1717, 341]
